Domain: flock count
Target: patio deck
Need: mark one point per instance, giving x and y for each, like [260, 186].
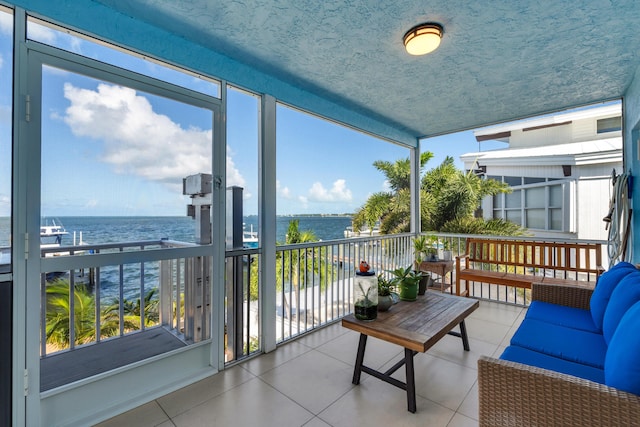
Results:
[307, 382]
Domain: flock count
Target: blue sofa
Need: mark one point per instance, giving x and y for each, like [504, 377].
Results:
[574, 360]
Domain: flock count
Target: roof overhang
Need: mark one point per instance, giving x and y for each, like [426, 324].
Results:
[498, 61]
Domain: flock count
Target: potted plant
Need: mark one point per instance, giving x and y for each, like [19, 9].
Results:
[446, 251]
[420, 247]
[407, 280]
[385, 288]
[432, 248]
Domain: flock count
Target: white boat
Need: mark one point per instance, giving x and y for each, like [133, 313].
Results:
[249, 237]
[51, 235]
[365, 232]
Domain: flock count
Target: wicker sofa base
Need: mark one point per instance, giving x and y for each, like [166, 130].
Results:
[514, 394]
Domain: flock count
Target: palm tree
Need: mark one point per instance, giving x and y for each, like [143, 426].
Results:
[448, 199]
[58, 319]
[58, 314]
[457, 194]
[132, 314]
[392, 208]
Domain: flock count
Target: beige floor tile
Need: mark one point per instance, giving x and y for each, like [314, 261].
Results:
[317, 422]
[312, 375]
[377, 353]
[470, 405]
[188, 397]
[148, 415]
[442, 381]
[485, 330]
[459, 420]
[450, 348]
[261, 364]
[376, 403]
[499, 350]
[251, 404]
[497, 313]
[314, 380]
[323, 335]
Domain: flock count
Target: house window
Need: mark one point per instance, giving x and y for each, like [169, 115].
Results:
[540, 205]
[611, 124]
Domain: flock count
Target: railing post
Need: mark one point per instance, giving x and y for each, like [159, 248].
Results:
[166, 296]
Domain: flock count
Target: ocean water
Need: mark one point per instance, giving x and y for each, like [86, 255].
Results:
[96, 230]
[99, 230]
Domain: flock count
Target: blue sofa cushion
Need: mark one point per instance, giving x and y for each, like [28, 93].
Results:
[623, 297]
[562, 315]
[604, 287]
[565, 343]
[518, 354]
[621, 367]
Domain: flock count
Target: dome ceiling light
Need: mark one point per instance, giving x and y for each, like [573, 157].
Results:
[423, 38]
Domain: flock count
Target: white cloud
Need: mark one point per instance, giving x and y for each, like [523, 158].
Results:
[139, 141]
[283, 191]
[386, 186]
[234, 177]
[338, 192]
[304, 201]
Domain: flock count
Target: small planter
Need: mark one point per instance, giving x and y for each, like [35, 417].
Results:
[425, 283]
[384, 302]
[408, 291]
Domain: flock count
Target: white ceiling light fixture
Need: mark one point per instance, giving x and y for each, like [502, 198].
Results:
[423, 38]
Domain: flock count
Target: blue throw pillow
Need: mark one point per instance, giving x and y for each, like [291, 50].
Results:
[621, 367]
[604, 287]
[626, 294]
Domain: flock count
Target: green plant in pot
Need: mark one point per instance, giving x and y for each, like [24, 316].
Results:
[432, 248]
[420, 246]
[385, 288]
[407, 281]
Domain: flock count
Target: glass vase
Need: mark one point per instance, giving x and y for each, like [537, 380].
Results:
[365, 296]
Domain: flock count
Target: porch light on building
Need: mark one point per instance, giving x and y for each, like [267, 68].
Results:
[423, 38]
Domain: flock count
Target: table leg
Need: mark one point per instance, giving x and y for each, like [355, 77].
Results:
[463, 335]
[359, 359]
[411, 382]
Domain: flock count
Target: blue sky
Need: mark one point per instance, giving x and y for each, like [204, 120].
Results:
[110, 150]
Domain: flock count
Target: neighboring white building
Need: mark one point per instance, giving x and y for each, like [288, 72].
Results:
[560, 169]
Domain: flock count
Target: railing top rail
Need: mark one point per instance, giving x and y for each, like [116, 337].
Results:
[118, 245]
[342, 241]
[521, 238]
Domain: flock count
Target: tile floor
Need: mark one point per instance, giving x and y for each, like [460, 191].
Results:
[307, 382]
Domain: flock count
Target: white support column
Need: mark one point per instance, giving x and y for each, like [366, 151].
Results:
[415, 188]
[267, 222]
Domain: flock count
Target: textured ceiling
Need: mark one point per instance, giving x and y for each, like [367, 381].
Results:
[498, 60]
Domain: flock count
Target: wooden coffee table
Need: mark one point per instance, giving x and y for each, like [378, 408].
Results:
[416, 326]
